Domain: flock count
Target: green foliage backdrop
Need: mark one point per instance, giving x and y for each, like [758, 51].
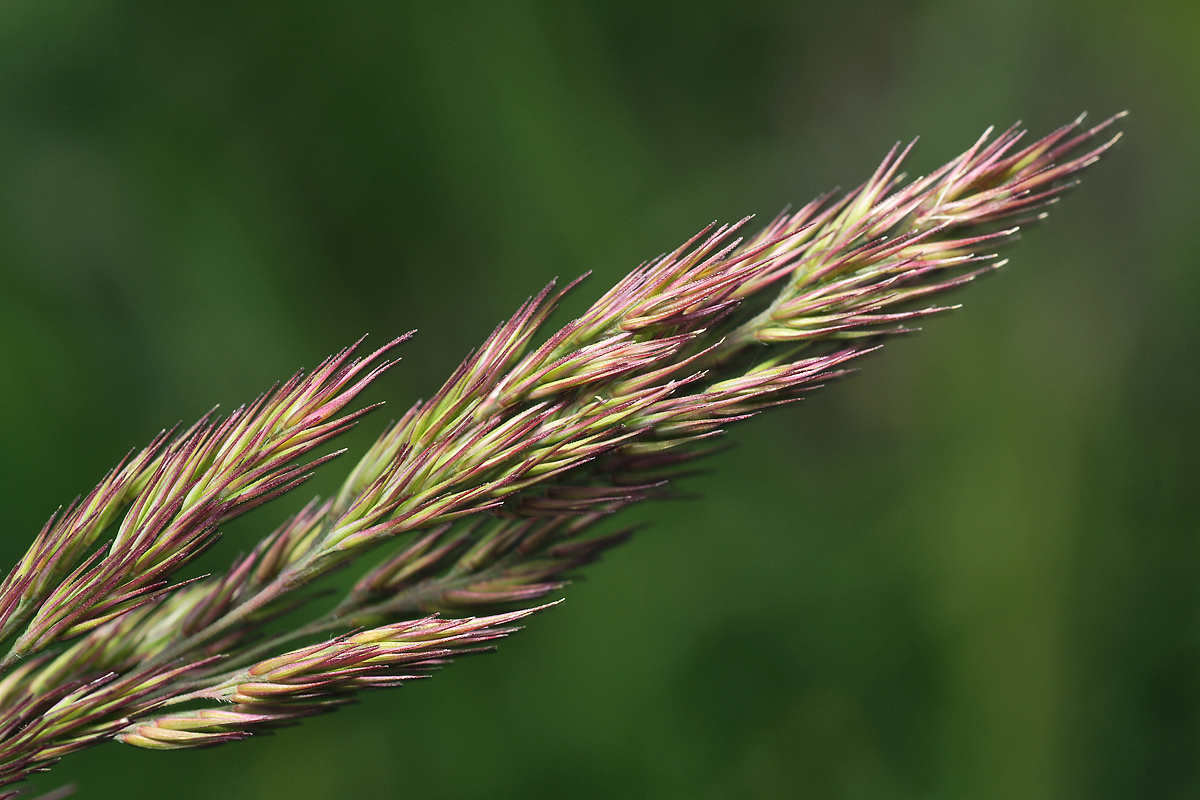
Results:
[970, 572]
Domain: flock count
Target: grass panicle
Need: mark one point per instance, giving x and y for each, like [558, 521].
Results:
[489, 495]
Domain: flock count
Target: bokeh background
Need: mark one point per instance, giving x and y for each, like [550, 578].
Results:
[970, 572]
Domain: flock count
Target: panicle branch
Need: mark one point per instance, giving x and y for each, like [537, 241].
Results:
[177, 493]
[316, 678]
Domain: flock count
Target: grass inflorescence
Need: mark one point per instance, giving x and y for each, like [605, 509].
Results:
[488, 495]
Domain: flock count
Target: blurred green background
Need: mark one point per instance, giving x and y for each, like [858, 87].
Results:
[970, 572]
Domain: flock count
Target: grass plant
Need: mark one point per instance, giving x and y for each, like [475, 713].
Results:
[482, 501]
